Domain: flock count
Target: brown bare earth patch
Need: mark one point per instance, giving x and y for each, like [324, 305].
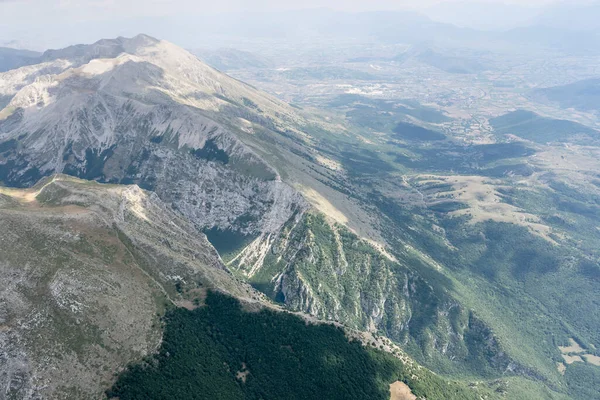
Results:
[401, 391]
[575, 353]
[592, 359]
[188, 305]
[252, 307]
[484, 202]
[573, 347]
[242, 374]
[572, 359]
[25, 195]
[322, 204]
[329, 163]
[569, 160]
[561, 368]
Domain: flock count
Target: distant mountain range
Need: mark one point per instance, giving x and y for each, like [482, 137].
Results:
[572, 16]
[498, 16]
[485, 16]
[567, 27]
[14, 58]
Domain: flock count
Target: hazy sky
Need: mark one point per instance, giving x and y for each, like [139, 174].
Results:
[100, 8]
[52, 23]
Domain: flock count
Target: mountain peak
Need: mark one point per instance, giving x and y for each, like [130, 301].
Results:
[105, 92]
[104, 48]
[139, 41]
[141, 37]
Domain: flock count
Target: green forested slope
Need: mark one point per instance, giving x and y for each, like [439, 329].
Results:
[219, 351]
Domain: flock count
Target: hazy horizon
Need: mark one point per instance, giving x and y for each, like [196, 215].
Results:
[38, 24]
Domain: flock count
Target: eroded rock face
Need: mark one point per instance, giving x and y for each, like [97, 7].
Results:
[86, 270]
[212, 194]
[147, 112]
[325, 270]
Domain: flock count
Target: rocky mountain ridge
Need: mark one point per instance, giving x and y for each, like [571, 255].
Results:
[231, 161]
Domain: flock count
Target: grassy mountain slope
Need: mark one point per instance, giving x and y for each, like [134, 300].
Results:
[528, 125]
[88, 270]
[507, 228]
[583, 95]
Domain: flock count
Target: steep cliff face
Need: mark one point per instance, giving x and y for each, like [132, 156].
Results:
[320, 267]
[150, 114]
[87, 270]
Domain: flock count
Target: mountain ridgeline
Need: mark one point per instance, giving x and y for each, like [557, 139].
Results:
[259, 178]
[121, 116]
